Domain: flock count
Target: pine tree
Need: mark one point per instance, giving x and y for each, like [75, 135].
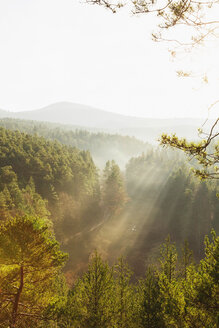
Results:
[93, 300]
[29, 260]
[150, 312]
[125, 297]
[186, 259]
[206, 284]
[171, 290]
[114, 194]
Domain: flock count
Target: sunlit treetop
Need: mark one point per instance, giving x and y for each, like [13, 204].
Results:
[206, 151]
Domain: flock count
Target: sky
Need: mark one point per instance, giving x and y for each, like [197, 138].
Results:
[66, 50]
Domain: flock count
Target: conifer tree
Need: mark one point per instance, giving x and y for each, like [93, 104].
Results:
[29, 260]
[206, 284]
[125, 297]
[171, 291]
[150, 312]
[168, 259]
[93, 300]
[114, 194]
[186, 259]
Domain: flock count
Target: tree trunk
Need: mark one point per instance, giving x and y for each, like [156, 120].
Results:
[17, 298]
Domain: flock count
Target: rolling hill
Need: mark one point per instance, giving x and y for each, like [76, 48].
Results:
[93, 119]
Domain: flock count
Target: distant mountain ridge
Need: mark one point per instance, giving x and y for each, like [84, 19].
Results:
[87, 117]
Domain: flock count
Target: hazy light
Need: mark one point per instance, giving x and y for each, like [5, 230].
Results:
[67, 51]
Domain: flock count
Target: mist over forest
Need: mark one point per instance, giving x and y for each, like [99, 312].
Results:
[104, 207]
[109, 164]
[80, 117]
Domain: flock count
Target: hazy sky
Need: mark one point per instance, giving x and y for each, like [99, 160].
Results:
[64, 50]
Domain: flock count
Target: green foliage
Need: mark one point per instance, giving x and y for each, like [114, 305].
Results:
[163, 198]
[104, 296]
[30, 259]
[125, 298]
[15, 200]
[150, 311]
[206, 284]
[46, 179]
[171, 291]
[206, 153]
[166, 196]
[93, 295]
[114, 194]
[164, 298]
[186, 259]
[102, 146]
[168, 259]
[53, 167]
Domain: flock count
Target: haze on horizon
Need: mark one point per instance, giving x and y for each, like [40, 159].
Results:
[55, 51]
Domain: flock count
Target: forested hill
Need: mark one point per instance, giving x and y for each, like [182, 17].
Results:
[89, 118]
[61, 184]
[52, 181]
[102, 146]
[117, 213]
[53, 167]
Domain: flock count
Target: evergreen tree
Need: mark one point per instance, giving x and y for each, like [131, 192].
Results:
[29, 260]
[125, 298]
[171, 290]
[114, 194]
[186, 259]
[150, 311]
[207, 282]
[93, 299]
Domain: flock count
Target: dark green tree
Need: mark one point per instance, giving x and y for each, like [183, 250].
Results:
[93, 298]
[150, 311]
[113, 190]
[125, 305]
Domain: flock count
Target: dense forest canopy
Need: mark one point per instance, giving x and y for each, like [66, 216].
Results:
[51, 190]
[156, 195]
[51, 165]
[89, 247]
[102, 146]
[175, 293]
